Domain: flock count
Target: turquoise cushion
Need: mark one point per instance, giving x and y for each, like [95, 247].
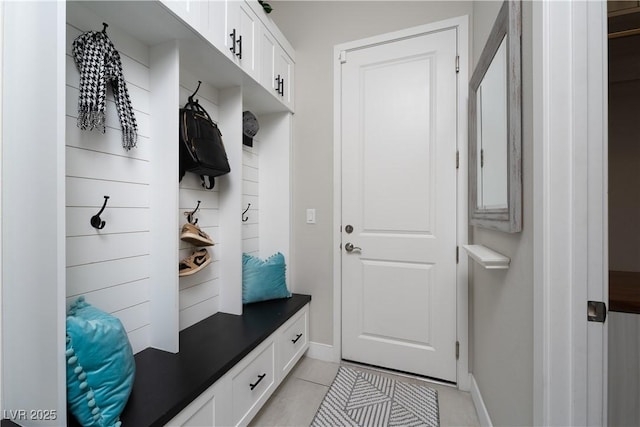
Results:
[263, 280]
[100, 366]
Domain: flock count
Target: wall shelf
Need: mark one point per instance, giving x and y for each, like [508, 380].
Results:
[488, 258]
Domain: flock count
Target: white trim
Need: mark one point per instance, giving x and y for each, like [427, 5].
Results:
[478, 402]
[320, 351]
[1, 104]
[570, 212]
[461, 23]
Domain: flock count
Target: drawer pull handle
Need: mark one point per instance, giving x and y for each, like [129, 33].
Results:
[260, 378]
[297, 338]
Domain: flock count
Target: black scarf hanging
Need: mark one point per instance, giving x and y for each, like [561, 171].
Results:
[99, 64]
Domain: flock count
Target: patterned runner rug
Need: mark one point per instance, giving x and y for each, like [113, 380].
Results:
[358, 398]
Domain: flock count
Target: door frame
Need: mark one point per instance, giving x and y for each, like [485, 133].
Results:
[460, 23]
[570, 211]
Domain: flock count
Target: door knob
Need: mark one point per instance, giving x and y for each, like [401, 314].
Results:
[350, 248]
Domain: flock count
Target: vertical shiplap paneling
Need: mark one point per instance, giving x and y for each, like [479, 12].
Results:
[250, 195]
[110, 267]
[199, 292]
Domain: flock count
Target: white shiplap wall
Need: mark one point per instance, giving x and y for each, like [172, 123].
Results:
[199, 293]
[110, 267]
[250, 194]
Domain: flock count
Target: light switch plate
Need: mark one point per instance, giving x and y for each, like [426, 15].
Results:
[311, 216]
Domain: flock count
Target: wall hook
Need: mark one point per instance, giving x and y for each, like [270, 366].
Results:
[96, 222]
[104, 28]
[196, 91]
[190, 215]
[245, 219]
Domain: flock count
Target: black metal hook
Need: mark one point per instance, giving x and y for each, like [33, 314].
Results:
[196, 91]
[104, 28]
[96, 222]
[190, 215]
[245, 211]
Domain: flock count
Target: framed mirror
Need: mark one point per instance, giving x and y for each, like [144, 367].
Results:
[495, 127]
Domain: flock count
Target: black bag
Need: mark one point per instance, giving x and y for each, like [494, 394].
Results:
[201, 148]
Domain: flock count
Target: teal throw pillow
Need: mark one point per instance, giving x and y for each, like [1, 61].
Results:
[100, 366]
[263, 280]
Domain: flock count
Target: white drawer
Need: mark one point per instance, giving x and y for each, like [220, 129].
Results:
[253, 383]
[200, 412]
[294, 340]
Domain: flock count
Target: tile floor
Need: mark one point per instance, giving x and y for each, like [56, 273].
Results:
[298, 398]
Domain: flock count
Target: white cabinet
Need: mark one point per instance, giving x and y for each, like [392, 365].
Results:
[283, 69]
[200, 412]
[242, 29]
[214, 25]
[293, 341]
[190, 11]
[267, 45]
[276, 68]
[232, 27]
[252, 382]
[238, 396]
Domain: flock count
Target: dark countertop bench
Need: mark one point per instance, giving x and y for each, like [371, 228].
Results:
[166, 383]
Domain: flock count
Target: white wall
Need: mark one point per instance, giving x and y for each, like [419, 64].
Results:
[110, 267]
[313, 28]
[502, 301]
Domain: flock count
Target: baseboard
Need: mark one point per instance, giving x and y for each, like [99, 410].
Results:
[481, 409]
[323, 352]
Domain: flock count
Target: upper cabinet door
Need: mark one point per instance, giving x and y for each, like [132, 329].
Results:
[242, 26]
[284, 72]
[214, 25]
[190, 11]
[267, 60]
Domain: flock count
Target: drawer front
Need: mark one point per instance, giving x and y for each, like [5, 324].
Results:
[294, 340]
[200, 412]
[253, 384]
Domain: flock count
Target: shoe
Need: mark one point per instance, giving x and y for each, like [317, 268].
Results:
[194, 263]
[191, 233]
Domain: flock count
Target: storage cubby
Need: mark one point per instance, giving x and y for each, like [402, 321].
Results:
[162, 69]
[130, 267]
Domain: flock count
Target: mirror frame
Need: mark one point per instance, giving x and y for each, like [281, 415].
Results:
[508, 24]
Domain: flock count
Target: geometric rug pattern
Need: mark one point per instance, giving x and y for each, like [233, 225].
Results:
[362, 399]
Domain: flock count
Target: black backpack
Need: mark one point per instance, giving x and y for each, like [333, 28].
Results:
[201, 148]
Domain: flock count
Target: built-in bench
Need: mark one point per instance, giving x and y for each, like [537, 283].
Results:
[167, 383]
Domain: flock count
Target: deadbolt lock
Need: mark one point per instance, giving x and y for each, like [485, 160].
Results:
[349, 229]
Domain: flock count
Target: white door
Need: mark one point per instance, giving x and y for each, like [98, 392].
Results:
[399, 196]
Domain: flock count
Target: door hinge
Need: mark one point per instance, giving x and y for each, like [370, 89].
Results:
[457, 159]
[343, 57]
[596, 311]
[482, 158]
[457, 63]
[457, 350]
[457, 254]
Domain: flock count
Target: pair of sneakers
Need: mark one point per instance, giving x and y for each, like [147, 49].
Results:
[199, 259]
